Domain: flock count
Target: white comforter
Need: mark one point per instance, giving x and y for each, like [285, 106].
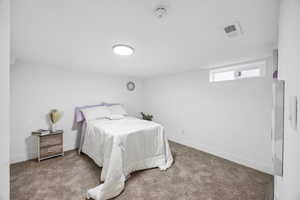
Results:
[121, 147]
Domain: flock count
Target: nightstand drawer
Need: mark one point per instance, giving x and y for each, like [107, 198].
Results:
[51, 140]
[51, 150]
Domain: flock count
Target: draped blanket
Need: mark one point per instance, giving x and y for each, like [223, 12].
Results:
[121, 147]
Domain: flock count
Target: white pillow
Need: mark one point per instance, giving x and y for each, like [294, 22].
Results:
[117, 110]
[94, 113]
[115, 117]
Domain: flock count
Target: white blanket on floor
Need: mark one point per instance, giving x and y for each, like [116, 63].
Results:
[121, 147]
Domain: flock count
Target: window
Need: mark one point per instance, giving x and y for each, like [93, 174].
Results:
[242, 71]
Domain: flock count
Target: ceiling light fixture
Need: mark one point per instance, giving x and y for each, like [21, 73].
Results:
[123, 50]
[160, 11]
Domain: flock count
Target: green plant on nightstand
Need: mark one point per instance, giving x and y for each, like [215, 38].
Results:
[147, 116]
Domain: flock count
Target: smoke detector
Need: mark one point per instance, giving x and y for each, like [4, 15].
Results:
[160, 11]
[233, 30]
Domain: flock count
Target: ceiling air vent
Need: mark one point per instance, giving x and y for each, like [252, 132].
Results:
[233, 30]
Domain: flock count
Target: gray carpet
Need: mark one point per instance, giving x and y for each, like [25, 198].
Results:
[194, 176]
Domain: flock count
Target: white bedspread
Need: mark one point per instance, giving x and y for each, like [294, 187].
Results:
[121, 147]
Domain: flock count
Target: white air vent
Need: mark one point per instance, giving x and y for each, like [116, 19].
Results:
[233, 30]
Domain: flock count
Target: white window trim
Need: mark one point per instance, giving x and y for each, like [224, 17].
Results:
[240, 67]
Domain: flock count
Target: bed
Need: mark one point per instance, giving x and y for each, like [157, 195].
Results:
[121, 146]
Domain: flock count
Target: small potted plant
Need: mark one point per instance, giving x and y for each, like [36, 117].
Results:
[147, 116]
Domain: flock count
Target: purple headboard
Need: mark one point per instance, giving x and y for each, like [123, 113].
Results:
[111, 104]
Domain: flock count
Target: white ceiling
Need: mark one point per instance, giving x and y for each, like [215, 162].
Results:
[79, 34]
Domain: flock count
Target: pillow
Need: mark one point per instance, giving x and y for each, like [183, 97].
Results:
[94, 113]
[115, 117]
[117, 110]
[78, 114]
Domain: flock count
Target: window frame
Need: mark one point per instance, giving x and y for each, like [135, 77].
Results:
[238, 69]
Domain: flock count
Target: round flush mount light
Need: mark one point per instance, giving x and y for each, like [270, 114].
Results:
[123, 50]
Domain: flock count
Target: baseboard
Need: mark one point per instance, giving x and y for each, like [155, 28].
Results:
[69, 147]
[21, 158]
[276, 186]
[33, 155]
[228, 156]
[201, 147]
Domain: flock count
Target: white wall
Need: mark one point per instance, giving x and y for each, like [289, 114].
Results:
[35, 90]
[288, 187]
[4, 99]
[230, 119]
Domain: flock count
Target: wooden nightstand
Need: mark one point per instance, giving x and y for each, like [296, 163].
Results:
[49, 145]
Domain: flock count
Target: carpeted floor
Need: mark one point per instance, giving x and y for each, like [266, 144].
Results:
[194, 176]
